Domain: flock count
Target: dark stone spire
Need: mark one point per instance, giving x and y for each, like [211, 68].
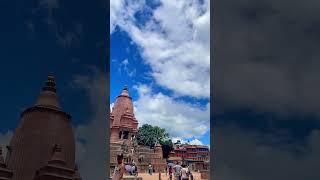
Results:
[48, 97]
[50, 84]
[43, 140]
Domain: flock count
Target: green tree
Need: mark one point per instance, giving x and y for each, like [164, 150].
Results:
[167, 147]
[150, 135]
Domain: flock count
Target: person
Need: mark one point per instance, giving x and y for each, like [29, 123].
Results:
[170, 172]
[166, 170]
[134, 169]
[119, 169]
[184, 173]
[177, 171]
[189, 170]
[191, 176]
[150, 169]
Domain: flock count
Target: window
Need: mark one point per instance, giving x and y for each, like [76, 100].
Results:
[120, 134]
[126, 134]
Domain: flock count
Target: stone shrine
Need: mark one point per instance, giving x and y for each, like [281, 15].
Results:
[123, 132]
[43, 145]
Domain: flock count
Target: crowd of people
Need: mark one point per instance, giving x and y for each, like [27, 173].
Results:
[176, 171]
[179, 172]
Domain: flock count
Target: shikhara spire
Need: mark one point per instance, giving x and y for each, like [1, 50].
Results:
[50, 84]
[125, 91]
[43, 145]
[48, 97]
[122, 115]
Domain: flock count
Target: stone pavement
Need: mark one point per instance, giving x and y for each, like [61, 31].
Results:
[155, 176]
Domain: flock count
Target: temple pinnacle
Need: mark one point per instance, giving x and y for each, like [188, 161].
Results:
[50, 84]
[125, 91]
[48, 96]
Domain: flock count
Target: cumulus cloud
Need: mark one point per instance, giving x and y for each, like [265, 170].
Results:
[183, 141]
[123, 66]
[67, 35]
[116, 8]
[242, 155]
[180, 119]
[266, 56]
[91, 139]
[168, 44]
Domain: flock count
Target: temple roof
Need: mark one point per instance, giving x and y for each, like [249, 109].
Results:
[123, 106]
[48, 97]
[57, 156]
[41, 127]
[125, 91]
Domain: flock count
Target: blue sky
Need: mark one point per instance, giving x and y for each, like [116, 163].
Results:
[51, 36]
[164, 63]
[31, 48]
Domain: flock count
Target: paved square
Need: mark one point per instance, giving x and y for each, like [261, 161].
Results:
[155, 176]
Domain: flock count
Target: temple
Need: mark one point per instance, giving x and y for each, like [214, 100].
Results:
[123, 124]
[123, 132]
[43, 145]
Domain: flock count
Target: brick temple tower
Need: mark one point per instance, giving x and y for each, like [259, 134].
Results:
[123, 124]
[123, 131]
[43, 145]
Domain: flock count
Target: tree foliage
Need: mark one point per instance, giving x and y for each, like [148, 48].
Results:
[167, 147]
[150, 135]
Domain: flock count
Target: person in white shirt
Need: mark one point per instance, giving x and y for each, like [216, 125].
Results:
[184, 173]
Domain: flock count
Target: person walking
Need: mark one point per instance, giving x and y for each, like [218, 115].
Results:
[119, 169]
[166, 170]
[170, 172]
[150, 169]
[189, 170]
[177, 171]
[184, 173]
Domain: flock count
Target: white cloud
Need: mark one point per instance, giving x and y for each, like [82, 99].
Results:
[49, 4]
[125, 62]
[169, 44]
[124, 66]
[196, 142]
[116, 7]
[243, 155]
[183, 141]
[180, 119]
[91, 137]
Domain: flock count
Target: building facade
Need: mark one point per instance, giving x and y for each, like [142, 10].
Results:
[196, 156]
